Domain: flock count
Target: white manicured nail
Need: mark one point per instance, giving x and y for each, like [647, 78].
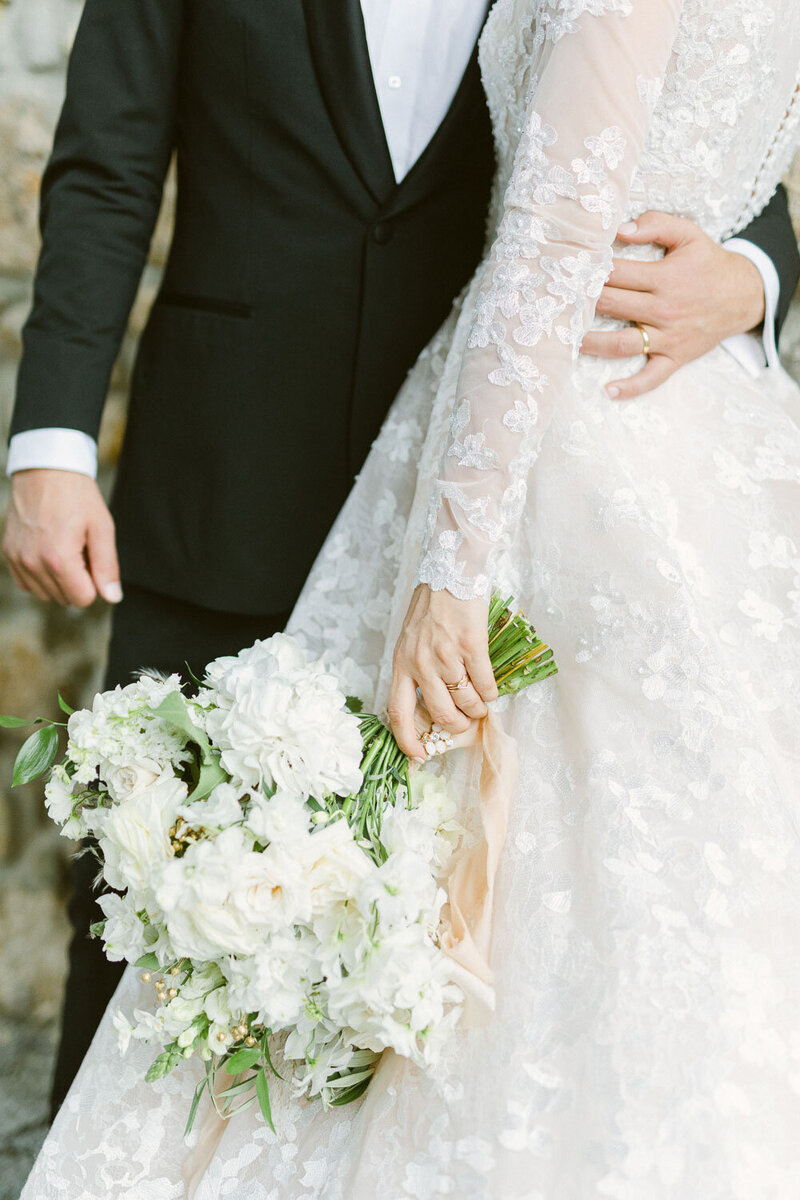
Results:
[112, 592]
[628, 228]
[612, 391]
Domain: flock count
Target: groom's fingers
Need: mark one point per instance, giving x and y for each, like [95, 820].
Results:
[31, 583]
[101, 552]
[619, 343]
[664, 229]
[72, 575]
[659, 367]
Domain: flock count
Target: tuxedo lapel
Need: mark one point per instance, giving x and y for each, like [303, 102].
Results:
[338, 44]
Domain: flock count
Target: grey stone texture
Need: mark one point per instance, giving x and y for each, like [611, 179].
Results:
[43, 648]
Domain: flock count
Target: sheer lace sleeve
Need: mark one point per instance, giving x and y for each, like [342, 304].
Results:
[596, 70]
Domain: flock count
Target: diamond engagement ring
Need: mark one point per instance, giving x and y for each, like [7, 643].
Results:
[459, 686]
[436, 741]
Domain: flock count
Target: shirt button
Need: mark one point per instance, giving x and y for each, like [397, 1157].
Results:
[383, 233]
[395, 81]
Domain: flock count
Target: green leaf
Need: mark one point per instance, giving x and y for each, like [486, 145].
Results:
[174, 710]
[147, 962]
[14, 722]
[242, 1060]
[36, 755]
[198, 1093]
[65, 708]
[96, 929]
[354, 705]
[262, 1092]
[192, 675]
[210, 775]
[166, 1062]
[351, 1094]
[267, 1055]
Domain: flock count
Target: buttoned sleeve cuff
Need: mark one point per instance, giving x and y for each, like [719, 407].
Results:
[755, 351]
[56, 449]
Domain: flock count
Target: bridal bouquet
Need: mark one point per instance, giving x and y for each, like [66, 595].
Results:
[270, 865]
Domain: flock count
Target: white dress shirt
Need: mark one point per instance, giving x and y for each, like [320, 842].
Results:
[419, 50]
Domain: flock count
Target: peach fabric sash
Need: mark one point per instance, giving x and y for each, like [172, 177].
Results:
[466, 934]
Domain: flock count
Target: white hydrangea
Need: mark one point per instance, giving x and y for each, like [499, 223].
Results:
[402, 997]
[120, 742]
[276, 980]
[280, 720]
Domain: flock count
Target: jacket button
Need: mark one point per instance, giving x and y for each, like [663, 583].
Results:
[383, 233]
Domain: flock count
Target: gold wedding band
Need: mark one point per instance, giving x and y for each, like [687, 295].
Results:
[460, 684]
[645, 341]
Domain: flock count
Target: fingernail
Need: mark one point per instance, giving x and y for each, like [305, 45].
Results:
[421, 761]
[612, 391]
[112, 592]
[628, 228]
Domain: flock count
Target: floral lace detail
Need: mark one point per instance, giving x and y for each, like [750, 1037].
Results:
[568, 181]
[568, 187]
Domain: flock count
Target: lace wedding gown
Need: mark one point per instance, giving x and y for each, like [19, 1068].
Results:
[646, 1044]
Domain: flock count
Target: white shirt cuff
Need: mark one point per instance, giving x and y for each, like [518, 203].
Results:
[750, 350]
[56, 449]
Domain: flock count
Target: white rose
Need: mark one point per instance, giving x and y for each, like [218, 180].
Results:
[333, 864]
[194, 893]
[134, 837]
[124, 782]
[271, 890]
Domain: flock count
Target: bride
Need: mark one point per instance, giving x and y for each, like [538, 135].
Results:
[645, 1044]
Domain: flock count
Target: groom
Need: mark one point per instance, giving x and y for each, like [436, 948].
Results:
[334, 165]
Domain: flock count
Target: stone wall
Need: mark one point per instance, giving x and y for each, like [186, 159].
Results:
[43, 647]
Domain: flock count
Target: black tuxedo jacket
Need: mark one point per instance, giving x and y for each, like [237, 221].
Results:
[301, 284]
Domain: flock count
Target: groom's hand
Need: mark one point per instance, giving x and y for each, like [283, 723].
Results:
[689, 301]
[59, 540]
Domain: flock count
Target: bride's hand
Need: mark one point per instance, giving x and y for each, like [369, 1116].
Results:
[442, 639]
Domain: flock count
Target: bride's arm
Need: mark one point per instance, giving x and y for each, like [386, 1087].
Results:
[598, 73]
